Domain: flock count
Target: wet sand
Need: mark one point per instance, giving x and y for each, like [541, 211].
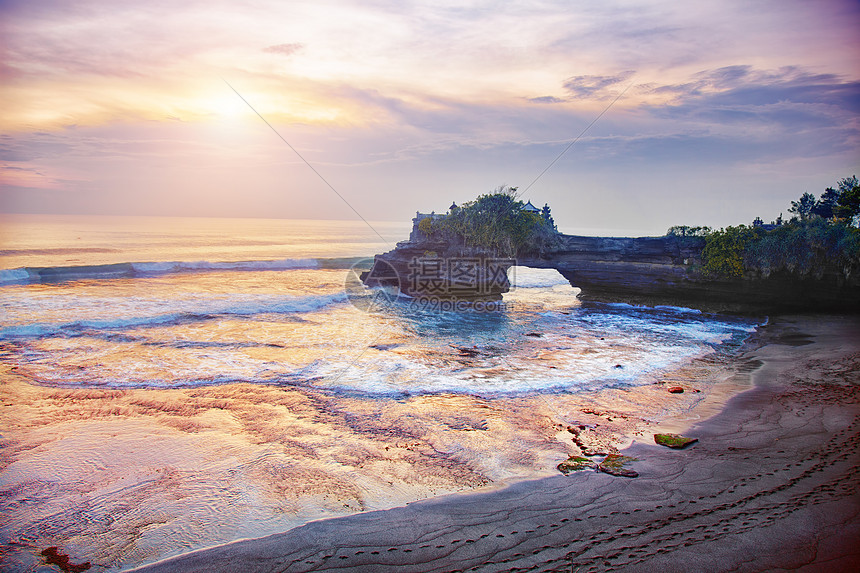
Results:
[124, 477]
[772, 484]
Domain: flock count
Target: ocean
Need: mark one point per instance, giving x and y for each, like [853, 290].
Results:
[173, 383]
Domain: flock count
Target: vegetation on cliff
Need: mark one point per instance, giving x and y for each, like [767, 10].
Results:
[685, 231]
[496, 222]
[822, 239]
[724, 250]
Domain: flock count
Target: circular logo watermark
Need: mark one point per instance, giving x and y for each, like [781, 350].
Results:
[371, 285]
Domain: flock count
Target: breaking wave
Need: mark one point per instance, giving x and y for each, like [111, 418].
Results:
[25, 275]
[143, 313]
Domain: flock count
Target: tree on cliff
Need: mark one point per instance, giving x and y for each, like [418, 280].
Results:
[840, 203]
[803, 207]
[822, 241]
[546, 213]
[848, 201]
[685, 231]
[724, 250]
[497, 222]
[806, 249]
[826, 205]
[803, 249]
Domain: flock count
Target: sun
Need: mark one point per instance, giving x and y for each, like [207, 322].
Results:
[227, 106]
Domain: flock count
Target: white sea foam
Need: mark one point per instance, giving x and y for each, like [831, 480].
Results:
[582, 350]
[145, 269]
[155, 268]
[14, 276]
[140, 312]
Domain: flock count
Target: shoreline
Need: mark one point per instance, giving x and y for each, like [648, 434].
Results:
[770, 485]
[126, 477]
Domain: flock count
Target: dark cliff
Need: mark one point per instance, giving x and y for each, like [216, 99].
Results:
[644, 270]
[426, 267]
[667, 270]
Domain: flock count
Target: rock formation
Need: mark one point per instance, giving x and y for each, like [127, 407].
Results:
[643, 270]
[424, 266]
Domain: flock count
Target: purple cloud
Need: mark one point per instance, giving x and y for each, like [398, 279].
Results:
[545, 99]
[789, 96]
[594, 87]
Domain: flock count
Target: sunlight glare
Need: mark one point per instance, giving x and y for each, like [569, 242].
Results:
[227, 106]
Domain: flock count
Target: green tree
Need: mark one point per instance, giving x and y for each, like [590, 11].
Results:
[818, 243]
[804, 206]
[810, 248]
[426, 226]
[496, 221]
[826, 204]
[724, 250]
[685, 231]
[546, 213]
[848, 203]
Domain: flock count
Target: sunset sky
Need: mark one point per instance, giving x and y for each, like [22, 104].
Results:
[732, 109]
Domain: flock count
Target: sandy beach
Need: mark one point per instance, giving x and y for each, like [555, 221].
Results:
[121, 474]
[771, 485]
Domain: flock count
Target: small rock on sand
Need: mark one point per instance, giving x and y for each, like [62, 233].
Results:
[575, 464]
[674, 440]
[613, 464]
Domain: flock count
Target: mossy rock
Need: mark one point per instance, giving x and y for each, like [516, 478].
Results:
[613, 464]
[674, 441]
[574, 464]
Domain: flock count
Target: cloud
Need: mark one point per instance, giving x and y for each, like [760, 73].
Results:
[32, 146]
[789, 102]
[594, 87]
[285, 49]
[27, 177]
[739, 82]
[545, 99]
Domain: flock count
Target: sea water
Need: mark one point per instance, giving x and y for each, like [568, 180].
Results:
[157, 344]
[147, 302]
